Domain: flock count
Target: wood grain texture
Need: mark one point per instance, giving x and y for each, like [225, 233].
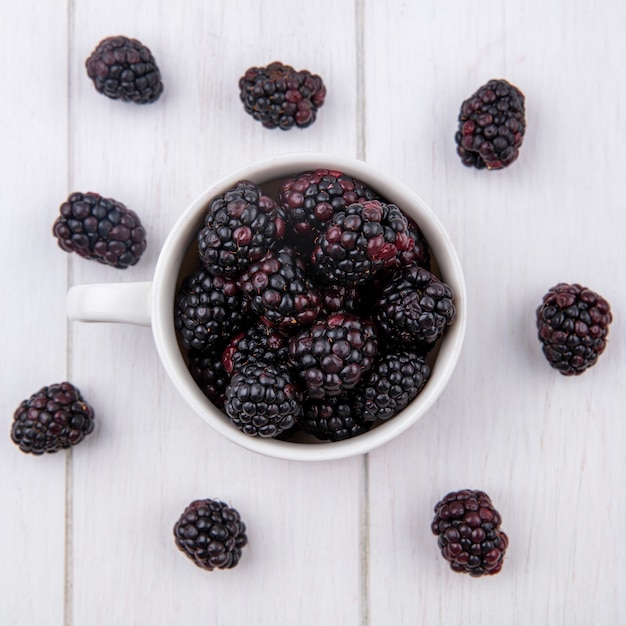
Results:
[87, 535]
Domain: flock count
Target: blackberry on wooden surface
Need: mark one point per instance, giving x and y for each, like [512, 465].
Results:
[278, 96]
[469, 536]
[54, 418]
[208, 310]
[101, 229]
[211, 533]
[124, 69]
[491, 126]
[240, 226]
[572, 325]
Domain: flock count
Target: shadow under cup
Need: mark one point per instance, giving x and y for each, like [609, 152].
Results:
[179, 258]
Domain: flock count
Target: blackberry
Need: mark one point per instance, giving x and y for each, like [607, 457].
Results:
[208, 310]
[360, 241]
[240, 226]
[491, 126]
[341, 298]
[415, 307]
[124, 69]
[572, 324]
[311, 198]
[470, 538]
[263, 400]
[419, 253]
[53, 418]
[280, 291]
[280, 97]
[207, 370]
[333, 354]
[333, 419]
[101, 229]
[211, 534]
[260, 342]
[393, 383]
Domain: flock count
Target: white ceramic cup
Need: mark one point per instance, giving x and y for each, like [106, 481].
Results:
[152, 303]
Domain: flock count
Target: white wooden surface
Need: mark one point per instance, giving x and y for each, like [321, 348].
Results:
[86, 536]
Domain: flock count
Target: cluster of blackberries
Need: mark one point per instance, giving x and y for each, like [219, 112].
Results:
[313, 312]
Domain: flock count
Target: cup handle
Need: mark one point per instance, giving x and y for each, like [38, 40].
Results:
[128, 303]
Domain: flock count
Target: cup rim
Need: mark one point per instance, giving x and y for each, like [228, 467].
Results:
[260, 171]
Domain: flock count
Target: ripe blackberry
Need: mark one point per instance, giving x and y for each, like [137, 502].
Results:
[572, 324]
[360, 241]
[333, 354]
[263, 400]
[240, 226]
[280, 291]
[491, 126]
[211, 534]
[415, 307]
[100, 228]
[208, 310]
[260, 342]
[280, 97]
[395, 380]
[333, 419]
[207, 370]
[53, 418]
[341, 299]
[124, 69]
[468, 527]
[311, 198]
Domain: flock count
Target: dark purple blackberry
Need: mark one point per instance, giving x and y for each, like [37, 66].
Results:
[100, 228]
[53, 418]
[491, 126]
[124, 69]
[312, 198]
[211, 534]
[572, 324]
[280, 291]
[280, 97]
[263, 400]
[240, 226]
[360, 241]
[259, 343]
[468, 527]
[333, 354]
[333, 419]
[392, 384]
[207, 370]
[341, 299]
[415, 308]
[208, 310]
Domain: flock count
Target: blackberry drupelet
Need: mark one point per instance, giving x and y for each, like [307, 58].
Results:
[333, 419]
[124, 69]
[280, 291]
[470, 538]
[207, 370]
[491, 126]
[208, 310]
[280, 97]
[263, 400]
[101, 229]
[573, 324]
[211, 534]
[54, 418]
[260, 342]
[333, 354]
[312, 198]
[395, 380]
[360, 241]
[240, 226]
[415, 308]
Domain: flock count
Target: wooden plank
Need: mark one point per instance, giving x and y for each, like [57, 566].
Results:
[33, 139]
[151, 455]
[548, 449]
